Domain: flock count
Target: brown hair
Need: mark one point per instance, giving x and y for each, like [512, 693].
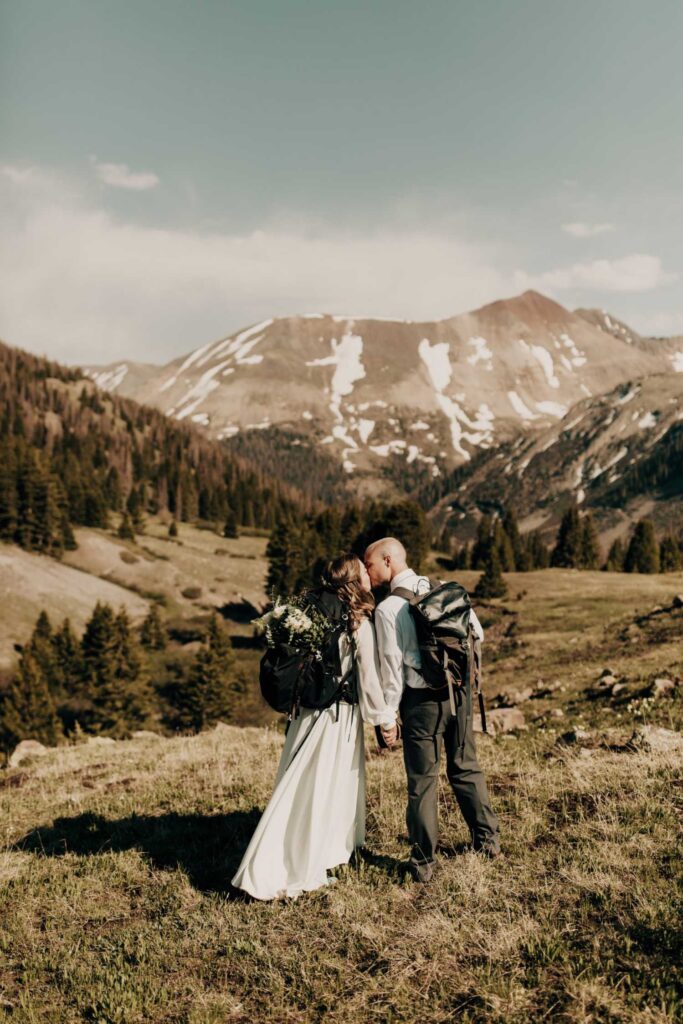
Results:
[343, 577]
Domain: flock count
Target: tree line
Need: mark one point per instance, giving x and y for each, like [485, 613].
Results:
[115, 679]
[299, 548]
[70, 455]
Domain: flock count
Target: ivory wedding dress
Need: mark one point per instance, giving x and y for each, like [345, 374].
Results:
[316, 815]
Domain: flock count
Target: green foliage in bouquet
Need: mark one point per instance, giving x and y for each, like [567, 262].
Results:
[295, 622]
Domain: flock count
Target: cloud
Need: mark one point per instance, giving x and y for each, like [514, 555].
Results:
[580, 230]
[120, 176]
[636, 273]
[86, 286]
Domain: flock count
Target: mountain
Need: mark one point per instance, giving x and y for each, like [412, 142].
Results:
[385, 393]
[70, 454]
[619, 454]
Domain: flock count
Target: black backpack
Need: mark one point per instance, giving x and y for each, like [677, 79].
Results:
[450, 651]
[292, 679]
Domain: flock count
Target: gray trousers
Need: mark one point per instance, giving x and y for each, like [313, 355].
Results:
[428, 725]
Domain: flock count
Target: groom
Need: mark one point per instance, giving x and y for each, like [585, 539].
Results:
[428, 722]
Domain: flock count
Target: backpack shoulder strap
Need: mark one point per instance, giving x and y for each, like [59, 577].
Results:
[403, 592]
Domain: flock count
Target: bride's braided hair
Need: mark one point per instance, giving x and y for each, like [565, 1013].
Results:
[342, 576]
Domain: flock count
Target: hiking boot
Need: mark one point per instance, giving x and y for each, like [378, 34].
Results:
[418, 871]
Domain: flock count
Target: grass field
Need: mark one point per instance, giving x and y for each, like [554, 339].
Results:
[115, 904]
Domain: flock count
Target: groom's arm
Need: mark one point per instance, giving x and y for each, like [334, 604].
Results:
[390, 657]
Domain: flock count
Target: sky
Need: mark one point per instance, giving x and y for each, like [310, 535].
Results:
[173, 171]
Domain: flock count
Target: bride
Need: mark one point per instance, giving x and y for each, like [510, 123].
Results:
[316, 815]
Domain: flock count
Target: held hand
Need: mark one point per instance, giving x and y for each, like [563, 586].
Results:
[390, 735]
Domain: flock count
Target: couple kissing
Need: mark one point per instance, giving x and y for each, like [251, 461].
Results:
[336, 660]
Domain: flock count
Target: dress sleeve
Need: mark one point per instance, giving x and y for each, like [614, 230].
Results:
[373, 707]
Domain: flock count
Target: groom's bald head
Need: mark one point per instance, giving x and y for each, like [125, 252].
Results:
[385, 559]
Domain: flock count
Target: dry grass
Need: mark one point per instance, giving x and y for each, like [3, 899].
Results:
[115, 864]
[116, 905]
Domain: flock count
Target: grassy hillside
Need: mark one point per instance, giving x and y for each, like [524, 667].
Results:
[214, 571]
[115, 903]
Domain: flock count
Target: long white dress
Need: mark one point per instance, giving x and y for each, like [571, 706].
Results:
[316, 815]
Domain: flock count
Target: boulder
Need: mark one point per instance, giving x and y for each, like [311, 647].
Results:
[100, 741]
[25, 750]
[145, 734]
[574, 736]
[557, 713]
[656, 739]
[501, 720]
[619, 688]
[607, 681]
[662, 687]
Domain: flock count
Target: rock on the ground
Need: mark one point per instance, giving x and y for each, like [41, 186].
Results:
[100, 741]
[26, 749]
[500, 720]
[145, 734]
[606, 681]
[656, 739]
[662, 687]
[619, 688]
[574, 736]
[556, 713]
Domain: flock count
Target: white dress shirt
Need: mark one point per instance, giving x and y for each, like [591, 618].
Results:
[399, 654]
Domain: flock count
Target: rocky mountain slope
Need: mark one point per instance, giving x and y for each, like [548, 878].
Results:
[618, 453]
[434, 394]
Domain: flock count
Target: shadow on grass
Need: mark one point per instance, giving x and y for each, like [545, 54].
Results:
[208, 848]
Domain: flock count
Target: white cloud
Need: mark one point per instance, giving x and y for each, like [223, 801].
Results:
[85, 286]
[121, 176]
[578, 229]
[636, 273]
[657, 325]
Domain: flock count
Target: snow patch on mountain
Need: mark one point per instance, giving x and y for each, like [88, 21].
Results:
[522, 410]
[109, 380]
[479, 432]
[482, 353]
[552, 409]
[578, 358]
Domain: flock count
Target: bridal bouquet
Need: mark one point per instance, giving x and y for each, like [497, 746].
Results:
[295, 623]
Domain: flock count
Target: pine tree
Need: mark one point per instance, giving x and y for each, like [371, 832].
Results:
[537, 550]
[125, 530]
[27, 710]
[590, 545]
[491, 582]
[511, 527]
[119, 695]
[230, 527]
[211, 690]
[152, 632]
[503, 546]
[482, 543]
[567, 553]
[643, 551]
[669, 554]
[615, 556]
[68, 669]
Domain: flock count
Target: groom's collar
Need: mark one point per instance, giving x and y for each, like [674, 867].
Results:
[402, 578]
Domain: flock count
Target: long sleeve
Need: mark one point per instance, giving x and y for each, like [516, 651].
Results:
[390, 659]
[476, 625]
[373, 707]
